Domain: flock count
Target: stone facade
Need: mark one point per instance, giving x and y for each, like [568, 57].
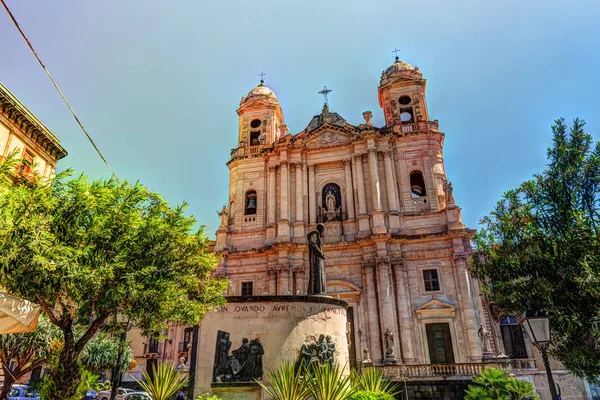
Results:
[22, 132]
[396, 247]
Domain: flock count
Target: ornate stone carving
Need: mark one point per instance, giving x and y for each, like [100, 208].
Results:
[484, 335]
[367, 362]
[397, 260]
[448, 191]
[368, 116]
[382, 260]
[219, 274]
[328, 138]
[243, 365]
[368, 263]
[320, 351]
[461, 255]
[223, 214]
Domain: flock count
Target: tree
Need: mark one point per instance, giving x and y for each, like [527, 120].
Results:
[493, 384]
[541, 242]
[102, 353]
[87, 251]
[28, 351]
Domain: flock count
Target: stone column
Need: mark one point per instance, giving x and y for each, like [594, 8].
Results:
[299, 202]
[312, 202]
[375, 341]
[387, 306]
[272, 200]
[284, 211]
[349, 190]
[362, 199]
[374, 180]
[304, 192]
[468, 309]
[405, 324]
[389, 180]
[272, 281]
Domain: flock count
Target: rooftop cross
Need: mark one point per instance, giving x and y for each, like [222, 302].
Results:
[396, 51]
[324, 93]
[262, 78]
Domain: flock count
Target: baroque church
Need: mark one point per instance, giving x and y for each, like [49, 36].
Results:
[395, 243]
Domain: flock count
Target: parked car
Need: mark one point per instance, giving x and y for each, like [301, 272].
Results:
[121, 393]
[91, 395]
[138, 396]
[23, 392]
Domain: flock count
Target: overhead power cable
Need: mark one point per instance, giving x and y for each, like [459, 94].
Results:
[58, 89]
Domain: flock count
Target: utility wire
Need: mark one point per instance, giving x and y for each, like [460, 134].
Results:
[58, 89]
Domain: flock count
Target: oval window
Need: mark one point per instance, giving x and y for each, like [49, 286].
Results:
[405, 117]
[255, 123]
[404, 100]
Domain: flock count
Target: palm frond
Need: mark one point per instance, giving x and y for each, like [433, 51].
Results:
[286, 384]
[163, 382]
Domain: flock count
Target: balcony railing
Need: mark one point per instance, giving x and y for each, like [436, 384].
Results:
[249, 151]
[438, 370]
[523, 364]
[419, 126]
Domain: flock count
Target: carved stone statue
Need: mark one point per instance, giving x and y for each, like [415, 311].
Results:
[330, 202]
[222, 368]
[223, 214]
[367, 362]
[283, 129]
[390, 357]
[316, 278]
[321, 351]
[253, 366]
[308, 355]
[484, 335]
[368, 116]
[448, 190]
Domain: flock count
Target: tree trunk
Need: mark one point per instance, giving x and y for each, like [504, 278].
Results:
[67, 374]
[8, 382]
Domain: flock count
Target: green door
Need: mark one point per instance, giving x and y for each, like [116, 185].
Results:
[440, 343]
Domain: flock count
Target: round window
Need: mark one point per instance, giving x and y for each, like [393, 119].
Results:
[404, 100]
[255, 123]
[405, 117]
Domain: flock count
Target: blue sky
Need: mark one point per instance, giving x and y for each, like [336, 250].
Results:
[157, 83]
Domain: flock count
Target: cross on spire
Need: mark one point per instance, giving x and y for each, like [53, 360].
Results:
[396, 51]
[324, 93]
[262, 78]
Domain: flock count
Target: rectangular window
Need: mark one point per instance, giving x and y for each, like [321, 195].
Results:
[430, 277]
[246, 288]
[26, 167]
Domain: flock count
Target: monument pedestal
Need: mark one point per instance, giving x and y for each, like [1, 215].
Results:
[237, 390]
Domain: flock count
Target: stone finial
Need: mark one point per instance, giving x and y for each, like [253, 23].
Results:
[368, 115]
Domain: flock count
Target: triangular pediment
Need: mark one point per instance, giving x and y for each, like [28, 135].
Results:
[436, 308]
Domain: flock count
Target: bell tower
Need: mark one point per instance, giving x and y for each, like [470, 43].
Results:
[260, 117]
[402, 94]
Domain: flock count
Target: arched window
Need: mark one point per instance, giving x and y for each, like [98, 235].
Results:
[512, 337]
[250, 202]
[417, 184]
[255, 133]
[331, 203]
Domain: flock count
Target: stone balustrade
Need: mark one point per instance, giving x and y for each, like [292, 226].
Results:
[243, 152]
[445, 371]
[523, 364]
[419, 126]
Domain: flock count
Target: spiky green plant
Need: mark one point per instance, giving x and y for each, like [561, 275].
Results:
[521, 389]
[494, 384]
[286, 384]
[328, 382]
[164, 381]
[373, 380]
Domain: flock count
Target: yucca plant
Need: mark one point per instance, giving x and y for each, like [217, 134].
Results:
[286, 384]
[164, 382]
[373, 380]
[328, 382]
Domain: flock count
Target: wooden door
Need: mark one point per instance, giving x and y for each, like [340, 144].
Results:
[440, 343]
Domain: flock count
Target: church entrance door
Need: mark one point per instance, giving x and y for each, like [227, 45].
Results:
[440, 343]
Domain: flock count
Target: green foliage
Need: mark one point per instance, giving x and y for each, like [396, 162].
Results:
[329, 383]
[208, 396]
[86, 251]
[373, 380]
[164, 382]
[493, 384]
[369, 395]
[286, 384]
[542, 243]
[28, 350]
[102, 352]
[87, 381]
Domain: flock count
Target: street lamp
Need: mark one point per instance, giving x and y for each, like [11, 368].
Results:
[536, 323]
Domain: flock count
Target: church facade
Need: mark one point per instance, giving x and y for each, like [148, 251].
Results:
[395, 243]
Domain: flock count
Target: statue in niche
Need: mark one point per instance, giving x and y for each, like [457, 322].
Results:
[243, 365]
[390, 357]
[316, 278]
[484, 335]
[320, 351]
[367, 362]
[330, 201]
